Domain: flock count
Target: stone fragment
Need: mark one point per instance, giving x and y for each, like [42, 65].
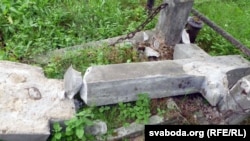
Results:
[172, 105]
[28, 102]
[122, 132]
[236, 104]
[185, 37]
[134, 128]
[149, 52]
[145, 37]
[155, 119]
[72, 82]
[98, 128]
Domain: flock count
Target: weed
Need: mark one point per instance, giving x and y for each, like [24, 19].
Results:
[89, 57]
[139, 112]
[231, 16]
[161, 112]
[115, 116]
[74, 127]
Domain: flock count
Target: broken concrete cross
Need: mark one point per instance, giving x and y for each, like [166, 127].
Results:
[211, 76]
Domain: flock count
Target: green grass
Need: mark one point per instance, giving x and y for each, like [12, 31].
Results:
[232, 16]
[89, 57]
[31, 27]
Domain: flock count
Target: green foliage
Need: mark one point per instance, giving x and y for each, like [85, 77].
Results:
[74, 127]
[31, 27]
[115, 116]
[231, 15]
[89, 57]
[140, 111]
[161, 112]
[215, 44]
[124, 113]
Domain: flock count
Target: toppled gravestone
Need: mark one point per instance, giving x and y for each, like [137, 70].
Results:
[216, 78]
[29, 101]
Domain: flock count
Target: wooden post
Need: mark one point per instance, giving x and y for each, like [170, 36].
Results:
[173, 19]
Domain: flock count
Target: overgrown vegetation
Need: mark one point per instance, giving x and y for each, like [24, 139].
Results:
[74, 127]
[31, 27]
[232, 16]
[88, 57]
[115, 116]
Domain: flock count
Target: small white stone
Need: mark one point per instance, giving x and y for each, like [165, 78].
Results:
[145, 36]
[98, 128]
[149, 52]
[34, 93]
[185, 37]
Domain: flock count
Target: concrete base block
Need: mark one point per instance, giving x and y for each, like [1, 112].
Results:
[185, 51]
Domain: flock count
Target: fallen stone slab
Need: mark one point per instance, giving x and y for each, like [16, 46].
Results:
[29, 101]
[110, 84]
[210, 76]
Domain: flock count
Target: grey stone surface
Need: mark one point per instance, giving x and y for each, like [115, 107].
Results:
[122, 132]
[211, 76]
[149, 52]
[185, 37]
[109, 84]
[215, 70]
[237, 101]
[172, 105]
[134, 128]
[155, 119]
[98, 128]
[72, 82]
[28, 101]
[172, 20]
[185, 51]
